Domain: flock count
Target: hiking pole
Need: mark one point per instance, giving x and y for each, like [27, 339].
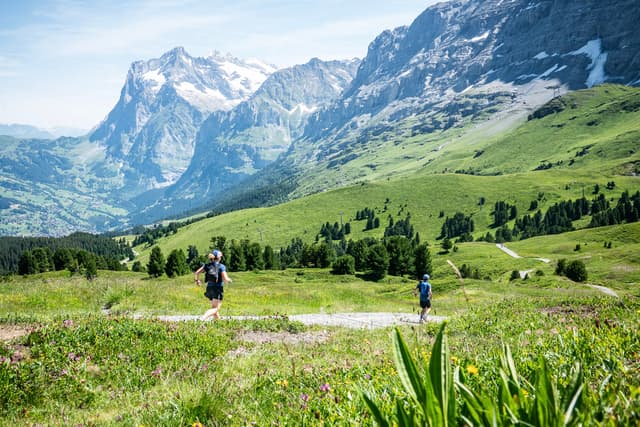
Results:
[459, 275]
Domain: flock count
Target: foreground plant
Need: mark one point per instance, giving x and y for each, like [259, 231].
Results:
[439, 396]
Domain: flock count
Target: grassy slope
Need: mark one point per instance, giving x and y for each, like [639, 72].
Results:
[424, 194]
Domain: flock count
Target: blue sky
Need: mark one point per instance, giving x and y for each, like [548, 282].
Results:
[63, 62]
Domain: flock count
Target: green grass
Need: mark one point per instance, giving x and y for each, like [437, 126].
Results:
[423, 197]
[602, 124]
[73, 367]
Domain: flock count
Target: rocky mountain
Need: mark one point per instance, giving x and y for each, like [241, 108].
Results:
[233, 145]
[149, 135]
[459, 61]
[222, 133]
[458, 45]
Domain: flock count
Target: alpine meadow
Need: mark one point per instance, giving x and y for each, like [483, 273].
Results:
[489, 147]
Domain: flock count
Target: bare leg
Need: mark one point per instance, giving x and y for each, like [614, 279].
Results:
[213, 311]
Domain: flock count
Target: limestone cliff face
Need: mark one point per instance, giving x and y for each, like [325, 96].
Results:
[233, 145]
[149, 136]
[467, 43]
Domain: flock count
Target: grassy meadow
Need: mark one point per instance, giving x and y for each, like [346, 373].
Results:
[74, 364]
[539, 350]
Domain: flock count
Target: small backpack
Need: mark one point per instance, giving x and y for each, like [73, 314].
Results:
[211, 272]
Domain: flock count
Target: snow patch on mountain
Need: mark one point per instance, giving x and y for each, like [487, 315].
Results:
[155, 79]
[480, 38]
[593, 49]
[205, 99]
[243, 78]
[303, 108]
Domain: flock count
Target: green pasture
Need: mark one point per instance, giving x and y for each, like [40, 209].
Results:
[422, 197]
[74, 365]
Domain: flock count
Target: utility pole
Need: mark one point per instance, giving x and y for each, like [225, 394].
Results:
[341, 218]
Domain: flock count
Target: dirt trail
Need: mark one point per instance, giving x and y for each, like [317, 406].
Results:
[523, 273]
[348, 320]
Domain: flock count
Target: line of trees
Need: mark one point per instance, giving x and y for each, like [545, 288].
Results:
[460, 225]
[41, 260]
[396, 255]
[107, 249]
[559, 217]
[626, 210]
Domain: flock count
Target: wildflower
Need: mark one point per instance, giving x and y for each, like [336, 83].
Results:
[472, 370]
[67, 323]
[367, 376]
[156, 372]
[304, 397]
[325, 387]
[284, 383]
[454, 359]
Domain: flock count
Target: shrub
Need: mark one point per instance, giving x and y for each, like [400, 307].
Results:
[576, 271]
[345, 264]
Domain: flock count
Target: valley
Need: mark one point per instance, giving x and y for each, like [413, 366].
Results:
[493, 145]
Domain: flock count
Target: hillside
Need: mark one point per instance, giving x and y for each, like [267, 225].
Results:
[426, 190]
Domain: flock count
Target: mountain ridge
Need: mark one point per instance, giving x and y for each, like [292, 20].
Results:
[461, 73]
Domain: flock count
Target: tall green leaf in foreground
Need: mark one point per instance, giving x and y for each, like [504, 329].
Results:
[433, 396]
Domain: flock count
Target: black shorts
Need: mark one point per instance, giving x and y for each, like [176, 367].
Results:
[214, 292]
[425, 303]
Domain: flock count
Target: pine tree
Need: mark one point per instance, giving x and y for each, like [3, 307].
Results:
[90, 268]
[176, 264]
[422, 260]
[27, 264]
[378, 261]
[155, 266]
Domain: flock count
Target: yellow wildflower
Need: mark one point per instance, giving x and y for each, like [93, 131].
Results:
[472, 370]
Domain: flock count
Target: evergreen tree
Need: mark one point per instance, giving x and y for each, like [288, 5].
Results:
[359, 250]
[138, 267]
[253, 256]
[576, 271]
[43, 259]
[192, 253]
[176, 264]
[218, 242]
[90, 268]
[62, 259]
[400, 255]
[344, 265]
[324, 255]
[378, 261]
[270, 260]
[155, 266]
[235, 260]
[27, 264]
[422, 260]
[446, 244]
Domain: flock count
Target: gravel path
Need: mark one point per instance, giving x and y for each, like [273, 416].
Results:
[348, 320]
[508, 251]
